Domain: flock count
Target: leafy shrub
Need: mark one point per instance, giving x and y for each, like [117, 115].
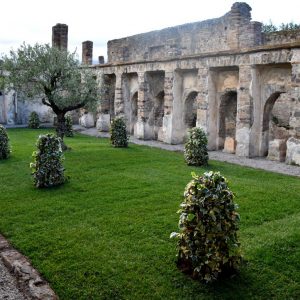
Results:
[118, 134]
[268, 28]
[208, 223]
[47, 168]
[195, 149]
[69, 126]
[4, 143]
[34, 120]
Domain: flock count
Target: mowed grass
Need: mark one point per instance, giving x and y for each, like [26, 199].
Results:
[105, 233]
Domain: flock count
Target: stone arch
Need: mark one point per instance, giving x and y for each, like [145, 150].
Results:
[134, 111]
[267, 114]
[227, 117]
[190, 109]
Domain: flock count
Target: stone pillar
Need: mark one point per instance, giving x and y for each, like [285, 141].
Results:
[142, 129]
[60, 36]
[167, 130]
[119, 102]
[295, 94]
[87, 53]
[244, 110]
[293, 143]
[101, 60]
[202, 99]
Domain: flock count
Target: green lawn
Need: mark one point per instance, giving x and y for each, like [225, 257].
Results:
[105, 234]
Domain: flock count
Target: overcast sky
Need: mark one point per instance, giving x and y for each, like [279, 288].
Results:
[99, 21]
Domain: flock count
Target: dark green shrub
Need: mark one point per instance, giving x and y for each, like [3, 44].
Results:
[195, 149]
[118, 133]
[47, 168]
[34, 120]
[69, 126]
[207, 241]
[4, 143]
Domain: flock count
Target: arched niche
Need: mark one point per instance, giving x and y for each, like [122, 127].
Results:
[190, 109]
[133, 112]
[227, 117]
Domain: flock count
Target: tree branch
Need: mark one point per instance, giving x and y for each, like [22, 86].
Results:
[46, 103]
[69, 108]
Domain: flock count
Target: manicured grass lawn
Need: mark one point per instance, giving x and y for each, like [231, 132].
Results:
[105, 234]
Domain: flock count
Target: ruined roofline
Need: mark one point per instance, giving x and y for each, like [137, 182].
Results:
[261, 48]
[232, 31]
[241, 8]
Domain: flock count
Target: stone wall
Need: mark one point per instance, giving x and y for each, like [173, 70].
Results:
[230, 32]
[280, 37]
[16, 109]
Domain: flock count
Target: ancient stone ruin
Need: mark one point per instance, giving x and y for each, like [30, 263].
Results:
[241, 85]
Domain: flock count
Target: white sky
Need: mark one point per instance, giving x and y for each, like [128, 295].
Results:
[99, 21]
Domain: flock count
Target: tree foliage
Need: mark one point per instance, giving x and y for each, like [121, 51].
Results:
[270, 27]
[47, 168]
[4, 143]
[53, 75]
[208, 223]
[34, 120]
[195, 149]
[118, 133]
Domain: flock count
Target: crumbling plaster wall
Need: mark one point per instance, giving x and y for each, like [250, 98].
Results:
[233, 31]
[16, 109]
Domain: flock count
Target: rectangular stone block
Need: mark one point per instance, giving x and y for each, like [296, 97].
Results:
[229, 145]
[293, 151]
[277, 150]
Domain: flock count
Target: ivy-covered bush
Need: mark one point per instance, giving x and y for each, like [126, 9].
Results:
[47, 168]
[195, 149]
[4, 143]
[69, 126]
[118, 133]
[34, 120]
[207, 242]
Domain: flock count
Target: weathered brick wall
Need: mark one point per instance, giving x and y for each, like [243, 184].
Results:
[280, 37]
[87, 52]
[232, 31]
[60, 36]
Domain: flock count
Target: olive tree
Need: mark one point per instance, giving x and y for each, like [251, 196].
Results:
[55, 76]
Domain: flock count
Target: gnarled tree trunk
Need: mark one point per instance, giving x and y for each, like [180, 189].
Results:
[61, 128]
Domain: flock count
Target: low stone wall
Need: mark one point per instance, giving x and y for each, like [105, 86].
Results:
[30, 282]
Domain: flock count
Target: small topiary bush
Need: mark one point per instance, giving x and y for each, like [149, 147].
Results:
[47, 168]
[118, 133]
[4, 143]
[69, 126]
[195, 149]
[208, 244]
[34, 120]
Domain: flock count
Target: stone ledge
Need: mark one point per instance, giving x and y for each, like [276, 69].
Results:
[30, 282]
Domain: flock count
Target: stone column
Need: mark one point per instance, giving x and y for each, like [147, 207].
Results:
[293, 143]
[104, 117]
[60, 36]
[168, 108]
[87, 53]
[101, 60]
[244, 107]
[142, 129]
[119, 101]
[202, 99]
